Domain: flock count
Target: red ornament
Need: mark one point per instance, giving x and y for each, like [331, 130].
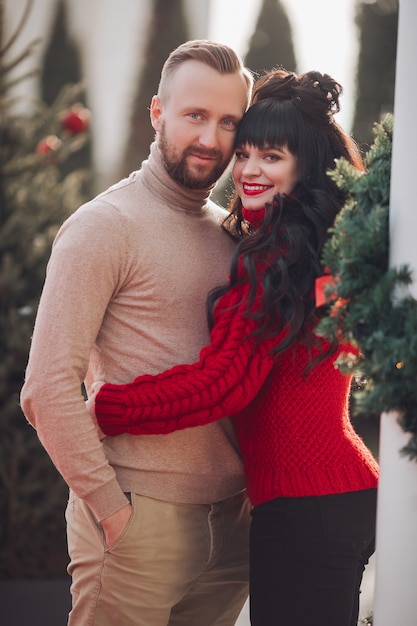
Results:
[50, 144]
[76, 120]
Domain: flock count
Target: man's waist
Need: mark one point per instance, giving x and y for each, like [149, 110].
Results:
[179, 487]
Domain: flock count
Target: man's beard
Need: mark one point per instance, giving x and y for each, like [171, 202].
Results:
[177, 168]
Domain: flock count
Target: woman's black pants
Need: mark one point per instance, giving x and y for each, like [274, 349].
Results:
[308, 557]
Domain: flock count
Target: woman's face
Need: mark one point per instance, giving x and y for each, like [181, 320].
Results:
[259, 174]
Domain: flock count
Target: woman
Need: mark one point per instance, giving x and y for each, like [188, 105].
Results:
[311, 479]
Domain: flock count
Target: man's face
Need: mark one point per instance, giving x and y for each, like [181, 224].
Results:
[197, 123]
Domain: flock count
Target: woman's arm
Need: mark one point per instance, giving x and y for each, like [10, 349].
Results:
[228, 376]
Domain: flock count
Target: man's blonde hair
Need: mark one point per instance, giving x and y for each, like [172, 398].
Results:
[218, 56]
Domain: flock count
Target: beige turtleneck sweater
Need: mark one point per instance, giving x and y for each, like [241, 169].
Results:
[125, 295]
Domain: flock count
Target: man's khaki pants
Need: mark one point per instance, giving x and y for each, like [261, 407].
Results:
[175, 564]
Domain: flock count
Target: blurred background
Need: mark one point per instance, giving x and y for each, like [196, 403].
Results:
[76, 80]
[118, 48]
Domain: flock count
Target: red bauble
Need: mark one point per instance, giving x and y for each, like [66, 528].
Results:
[50, 144]
[76, 120]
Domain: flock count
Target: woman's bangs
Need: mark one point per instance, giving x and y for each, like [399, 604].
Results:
[264, 124]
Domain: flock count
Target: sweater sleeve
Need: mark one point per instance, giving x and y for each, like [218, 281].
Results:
[229, 374]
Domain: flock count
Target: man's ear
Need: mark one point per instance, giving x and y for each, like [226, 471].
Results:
[156, 113]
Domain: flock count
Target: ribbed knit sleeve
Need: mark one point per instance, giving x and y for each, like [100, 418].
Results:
[229, 374]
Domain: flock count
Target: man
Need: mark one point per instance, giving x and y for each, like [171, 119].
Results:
[157, 526]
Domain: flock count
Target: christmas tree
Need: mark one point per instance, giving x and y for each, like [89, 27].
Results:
[271, 44]
[37, 193]
[371, 304]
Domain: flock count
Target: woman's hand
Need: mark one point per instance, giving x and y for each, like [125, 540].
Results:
[90, 403]
[94, 389]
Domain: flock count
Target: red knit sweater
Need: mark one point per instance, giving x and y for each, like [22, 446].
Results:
[294, 431]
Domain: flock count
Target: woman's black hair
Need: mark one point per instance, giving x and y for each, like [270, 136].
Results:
[295, 112]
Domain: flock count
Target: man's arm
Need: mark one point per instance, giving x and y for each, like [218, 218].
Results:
[79, 284]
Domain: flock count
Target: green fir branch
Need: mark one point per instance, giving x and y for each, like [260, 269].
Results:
[371, 309]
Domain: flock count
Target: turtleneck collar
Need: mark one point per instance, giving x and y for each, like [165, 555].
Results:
[255, 218]
[157, 180]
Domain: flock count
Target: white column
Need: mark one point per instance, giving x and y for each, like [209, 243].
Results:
[198, 14]
[396, 554]
[113, 36]
[38, 26]
[396, 551]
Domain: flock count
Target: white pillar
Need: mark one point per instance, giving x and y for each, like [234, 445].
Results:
[38, 27]
[113, 36]
[396, 553]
